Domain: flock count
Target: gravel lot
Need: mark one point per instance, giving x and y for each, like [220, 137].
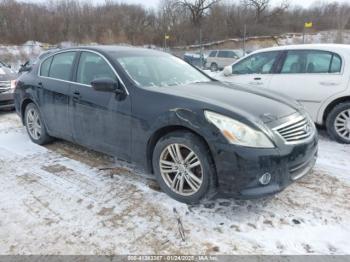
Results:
[64, 199]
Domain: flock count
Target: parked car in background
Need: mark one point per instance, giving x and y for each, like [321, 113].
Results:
[197, 135]
[7, 86]
[218, 59]
[195, 59]
[316, 75]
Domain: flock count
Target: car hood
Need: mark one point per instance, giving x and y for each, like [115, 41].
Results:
[7, 74]
[258, 103]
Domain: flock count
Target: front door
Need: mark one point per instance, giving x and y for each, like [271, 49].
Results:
[101, 120]
[255, 70]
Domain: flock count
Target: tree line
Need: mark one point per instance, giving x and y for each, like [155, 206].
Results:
[184, 21]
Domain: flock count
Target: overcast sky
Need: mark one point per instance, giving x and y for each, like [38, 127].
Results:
[153, 3]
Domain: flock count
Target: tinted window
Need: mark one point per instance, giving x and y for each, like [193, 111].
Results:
[305, 61]
[93, 66]
[213, 53]
[61, 66]
[45, 67]
[261, 63]
[226, 54]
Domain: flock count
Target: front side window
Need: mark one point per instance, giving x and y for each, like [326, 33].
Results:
[261, 63]
[92, 66]
[62, 65]
[311, 62]
[159, 70]
[45, 67]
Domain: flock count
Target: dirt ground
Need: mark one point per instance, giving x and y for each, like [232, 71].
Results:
[65, 199]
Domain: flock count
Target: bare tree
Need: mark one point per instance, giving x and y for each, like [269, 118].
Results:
[197, 8]
[259, 6]
[343, 17]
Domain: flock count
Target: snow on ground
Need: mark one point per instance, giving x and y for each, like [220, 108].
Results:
[60, 199]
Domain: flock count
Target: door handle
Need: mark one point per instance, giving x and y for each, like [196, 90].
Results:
[256, 83]
[257, 78]
[329, 84]
[40, 84]
[76, 96]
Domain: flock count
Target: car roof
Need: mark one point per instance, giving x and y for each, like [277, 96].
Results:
[326, 47]
[115, 48]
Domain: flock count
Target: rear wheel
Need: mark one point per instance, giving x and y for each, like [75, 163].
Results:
[338, 123]
[34, 124]
[183, 167]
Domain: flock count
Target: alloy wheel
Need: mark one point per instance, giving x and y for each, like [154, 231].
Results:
[181, 169]
[33, 124]
[342, 124]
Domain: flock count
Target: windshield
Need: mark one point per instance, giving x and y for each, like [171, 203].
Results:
[160, 71]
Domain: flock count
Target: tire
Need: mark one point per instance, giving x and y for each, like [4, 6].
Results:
[204, 171]
[214, 67]
[338, 123]
[34, 123]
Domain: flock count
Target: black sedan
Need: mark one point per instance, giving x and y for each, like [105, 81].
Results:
[198, 136]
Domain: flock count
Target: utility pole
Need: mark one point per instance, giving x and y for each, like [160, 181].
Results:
[244, 37]
[200, 46]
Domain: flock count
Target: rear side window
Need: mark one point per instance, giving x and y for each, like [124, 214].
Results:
[93, 66]
[45, 67]
[311, 62]
[61, 66]
[226, 54]
[213, 53]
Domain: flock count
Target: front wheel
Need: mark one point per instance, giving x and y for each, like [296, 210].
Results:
[183, 167]
[35, 126]
[338, 123]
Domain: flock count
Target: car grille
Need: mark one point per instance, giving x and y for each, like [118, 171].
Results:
[296, 130]
[5, 86]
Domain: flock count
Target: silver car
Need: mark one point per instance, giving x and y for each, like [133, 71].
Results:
[218, 59]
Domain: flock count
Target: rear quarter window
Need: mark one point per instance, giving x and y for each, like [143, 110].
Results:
[45, 67]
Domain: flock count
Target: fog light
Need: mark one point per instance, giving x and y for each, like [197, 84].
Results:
[265, 179]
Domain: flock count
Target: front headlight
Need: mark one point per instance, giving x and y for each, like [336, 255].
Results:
[238, 133]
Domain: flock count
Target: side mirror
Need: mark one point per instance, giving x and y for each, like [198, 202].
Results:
[228, 70]
[107, 85]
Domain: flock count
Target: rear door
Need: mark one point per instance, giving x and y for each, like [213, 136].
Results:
[101, 120]
[54, 80]
[310, 76]
[256, 70]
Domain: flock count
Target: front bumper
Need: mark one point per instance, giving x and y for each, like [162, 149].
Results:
[240, 168]
[7, 100]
